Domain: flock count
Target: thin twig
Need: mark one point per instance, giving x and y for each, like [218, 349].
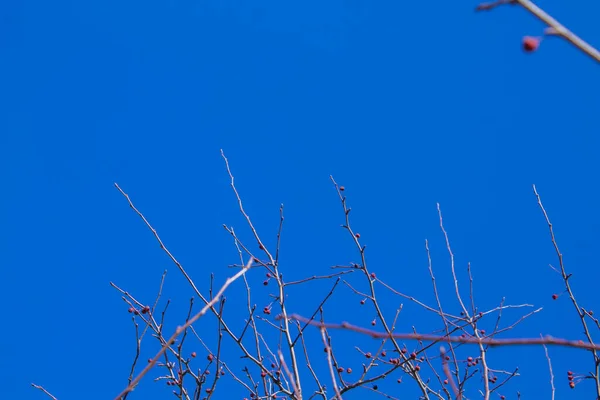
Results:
[551, 373]
[44, 390]
[578, 309]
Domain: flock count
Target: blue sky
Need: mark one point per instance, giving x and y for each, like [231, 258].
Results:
[406, 104]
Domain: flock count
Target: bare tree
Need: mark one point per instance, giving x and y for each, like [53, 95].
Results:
[277, 360]
[282, 365]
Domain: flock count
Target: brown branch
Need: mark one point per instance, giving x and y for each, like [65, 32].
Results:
[547, 340]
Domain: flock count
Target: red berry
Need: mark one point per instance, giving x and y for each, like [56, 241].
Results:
[383, 353]
[404, 350]
[210, 357]
[362, 302]
[193, 354]
[417, 367]
[368, 355]
[342, 188]
[373, 275]
[445, 381]
[572, 385]
[470, 359]
[145, 309]
[263, 374]
[266, 282]
[569, 372]
[373, 323]
[413, 355]
[554, 296]
[482, 331]
[340, 369]
[348, 370]
[357, 235]
[267, 310]
[530, 43]
[131, 309]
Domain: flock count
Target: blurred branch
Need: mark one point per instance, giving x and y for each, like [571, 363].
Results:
[182, 328]
[556, 28]
[546, 340]
[44, 390]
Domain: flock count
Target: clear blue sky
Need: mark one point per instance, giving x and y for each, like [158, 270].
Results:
[404, 103]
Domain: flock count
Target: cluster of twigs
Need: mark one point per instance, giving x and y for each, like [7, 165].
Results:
[274, 369]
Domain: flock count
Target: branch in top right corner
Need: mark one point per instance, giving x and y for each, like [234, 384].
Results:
[554, 28]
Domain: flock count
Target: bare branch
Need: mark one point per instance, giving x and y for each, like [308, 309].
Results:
[182, 328]
[556, 28]
[44, 390]
[547, 340]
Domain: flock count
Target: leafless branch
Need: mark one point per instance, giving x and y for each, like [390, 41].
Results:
[44, 390]
[556, 28]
